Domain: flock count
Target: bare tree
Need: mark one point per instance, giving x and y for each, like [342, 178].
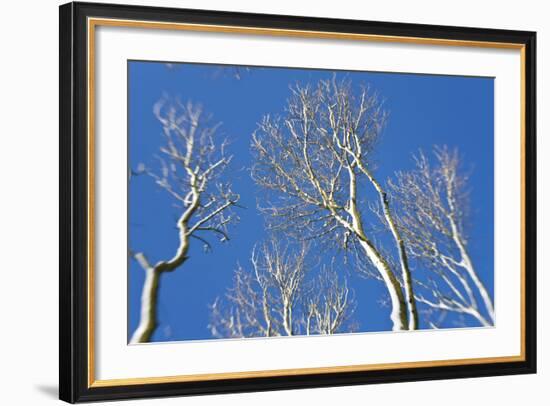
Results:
[433, 207]
[329, 305]
[316, 161]
[191, 160]
[274, 298]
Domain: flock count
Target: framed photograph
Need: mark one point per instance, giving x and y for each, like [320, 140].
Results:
[257, 202]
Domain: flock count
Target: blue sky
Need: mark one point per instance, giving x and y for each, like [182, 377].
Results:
[425, 110]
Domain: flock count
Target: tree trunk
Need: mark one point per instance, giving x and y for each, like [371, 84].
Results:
[400, 244]
[148, 319]
[149, 296]
[404, 262]
[398, 315]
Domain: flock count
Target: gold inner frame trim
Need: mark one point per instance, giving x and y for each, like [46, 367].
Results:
[94, 22]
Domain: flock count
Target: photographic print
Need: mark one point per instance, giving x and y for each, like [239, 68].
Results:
[257, 202]
[272, 202]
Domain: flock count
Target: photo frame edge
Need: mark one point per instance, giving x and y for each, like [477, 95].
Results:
[76, 382]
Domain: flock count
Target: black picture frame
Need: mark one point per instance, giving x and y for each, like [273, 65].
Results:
[74, 199]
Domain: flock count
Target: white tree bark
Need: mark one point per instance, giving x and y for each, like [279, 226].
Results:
[400, 245]
[149, 298]
[398, 315]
